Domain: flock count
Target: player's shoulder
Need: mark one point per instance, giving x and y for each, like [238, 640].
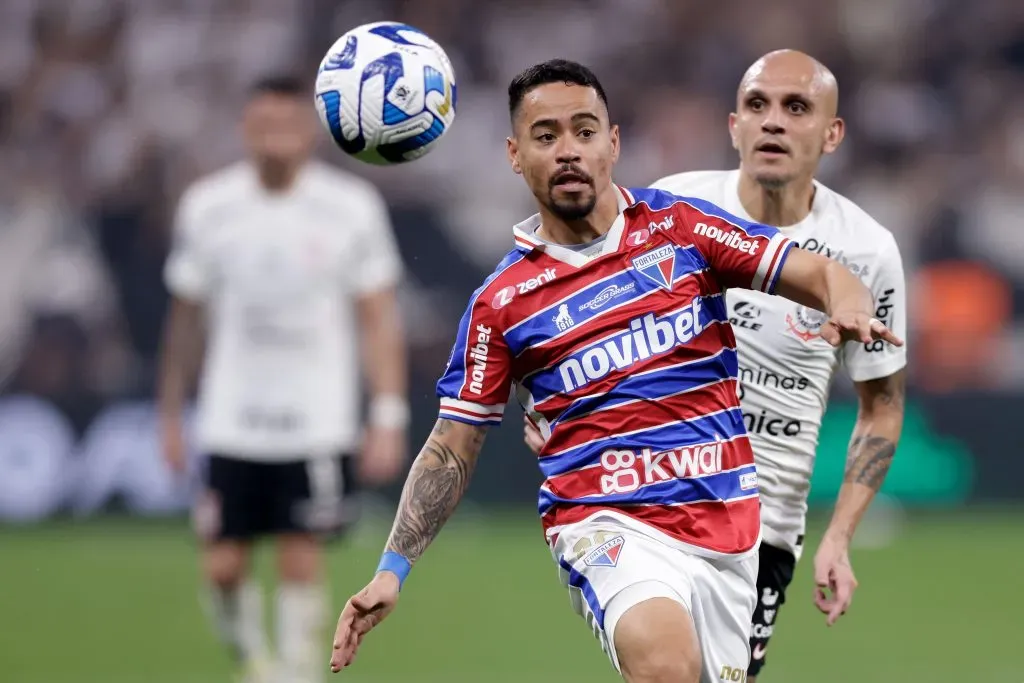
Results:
[334, 184]
[221, 187]
[853, 221]
[698, 183]
[692, 208]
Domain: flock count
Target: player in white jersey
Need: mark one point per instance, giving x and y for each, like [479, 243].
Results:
[288, 269]
[785, 120]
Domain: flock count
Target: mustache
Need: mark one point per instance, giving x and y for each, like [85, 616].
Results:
[570, 173]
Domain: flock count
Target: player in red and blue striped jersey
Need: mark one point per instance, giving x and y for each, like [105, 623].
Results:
[609, 319]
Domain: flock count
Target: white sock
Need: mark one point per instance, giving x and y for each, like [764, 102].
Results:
[237, 615]
[301, 632]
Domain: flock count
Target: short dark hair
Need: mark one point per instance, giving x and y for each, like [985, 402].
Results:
[279, 84]
[551, 71]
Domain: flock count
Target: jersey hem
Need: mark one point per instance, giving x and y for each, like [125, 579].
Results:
[656, 534]
[876, 370]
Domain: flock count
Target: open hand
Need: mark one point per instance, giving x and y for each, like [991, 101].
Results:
[362, 612]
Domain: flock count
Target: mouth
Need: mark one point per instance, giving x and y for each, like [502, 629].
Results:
[570, 181]
[771, 149]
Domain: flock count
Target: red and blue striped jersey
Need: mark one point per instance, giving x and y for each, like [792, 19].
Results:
[626, 361]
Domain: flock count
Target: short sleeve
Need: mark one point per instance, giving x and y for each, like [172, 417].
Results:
[742, 254]
[879, 359]
[378, 265]
[477, 380]
[187, 271]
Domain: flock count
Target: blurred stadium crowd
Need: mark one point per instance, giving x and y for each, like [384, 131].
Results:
[108, 108]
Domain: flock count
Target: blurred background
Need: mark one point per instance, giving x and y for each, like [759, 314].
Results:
[109, 108]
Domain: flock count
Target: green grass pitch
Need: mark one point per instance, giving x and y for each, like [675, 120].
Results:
[115, 601]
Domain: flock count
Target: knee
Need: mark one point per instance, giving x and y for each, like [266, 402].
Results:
[655, 642]
[225, 565]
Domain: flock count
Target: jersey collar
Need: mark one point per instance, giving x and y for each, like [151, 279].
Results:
[525, 235]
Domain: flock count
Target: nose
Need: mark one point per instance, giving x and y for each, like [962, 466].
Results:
[568, 151]
[774, 122]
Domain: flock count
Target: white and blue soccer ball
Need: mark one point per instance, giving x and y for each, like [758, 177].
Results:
[386, 93]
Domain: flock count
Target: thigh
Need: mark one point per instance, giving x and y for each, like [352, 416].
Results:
[235, 501]
[724, 597]
[774, 574]
[609, 569]
[315, 496]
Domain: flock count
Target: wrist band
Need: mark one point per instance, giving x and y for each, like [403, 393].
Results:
[389, 411]
[395, 563]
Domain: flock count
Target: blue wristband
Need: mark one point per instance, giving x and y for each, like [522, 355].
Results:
[395, 563]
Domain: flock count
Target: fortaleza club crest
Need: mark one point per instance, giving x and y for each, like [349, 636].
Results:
[657, 265]
[805, 323]
[606, 554]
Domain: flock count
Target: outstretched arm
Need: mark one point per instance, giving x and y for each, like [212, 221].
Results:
[828, 286]
[438, 479]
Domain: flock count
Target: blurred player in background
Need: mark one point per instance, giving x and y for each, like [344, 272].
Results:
[286, 268]
[784, 122]
[608, 317]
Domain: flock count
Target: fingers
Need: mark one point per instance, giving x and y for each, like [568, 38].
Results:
[532, 436]
[843, 597]
[880, 331]
[831, 333]
[823, 581]
[822, 600]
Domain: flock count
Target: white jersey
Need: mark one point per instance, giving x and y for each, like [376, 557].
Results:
[786, 369]
[279, 275]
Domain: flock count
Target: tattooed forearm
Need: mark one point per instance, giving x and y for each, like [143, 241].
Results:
[878, 430]
[869, 460]
[438, 479]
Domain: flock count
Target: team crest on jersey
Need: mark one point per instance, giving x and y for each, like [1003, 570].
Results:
[657, 265]
[606, 554]
[805, 323]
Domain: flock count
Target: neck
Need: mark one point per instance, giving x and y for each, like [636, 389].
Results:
[587, 229]
[777, 205]
[277, 176]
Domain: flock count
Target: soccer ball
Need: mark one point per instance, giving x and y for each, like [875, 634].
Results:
[386, 93]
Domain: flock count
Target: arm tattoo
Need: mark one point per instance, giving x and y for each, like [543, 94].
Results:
[437, 480]
[869, 460]
[870, 455]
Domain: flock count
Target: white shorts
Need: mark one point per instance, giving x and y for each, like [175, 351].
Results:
[609, 567]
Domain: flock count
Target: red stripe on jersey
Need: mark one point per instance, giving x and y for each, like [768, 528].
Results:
[629, 417]
[707, 344]
[729, 528]
[660, 467]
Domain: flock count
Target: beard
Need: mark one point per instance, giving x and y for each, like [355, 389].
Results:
[571, 206]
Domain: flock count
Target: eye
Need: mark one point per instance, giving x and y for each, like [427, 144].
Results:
[546, 137]
[797, 108]
[756, 104]
[587, 133]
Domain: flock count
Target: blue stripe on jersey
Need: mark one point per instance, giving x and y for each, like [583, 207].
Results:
[595, 299]
[723, 425]
[712, 487]
[660, 199]
[643, 337]
[577, 580]
[780, 261]
[455, 372]
[652, 385]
